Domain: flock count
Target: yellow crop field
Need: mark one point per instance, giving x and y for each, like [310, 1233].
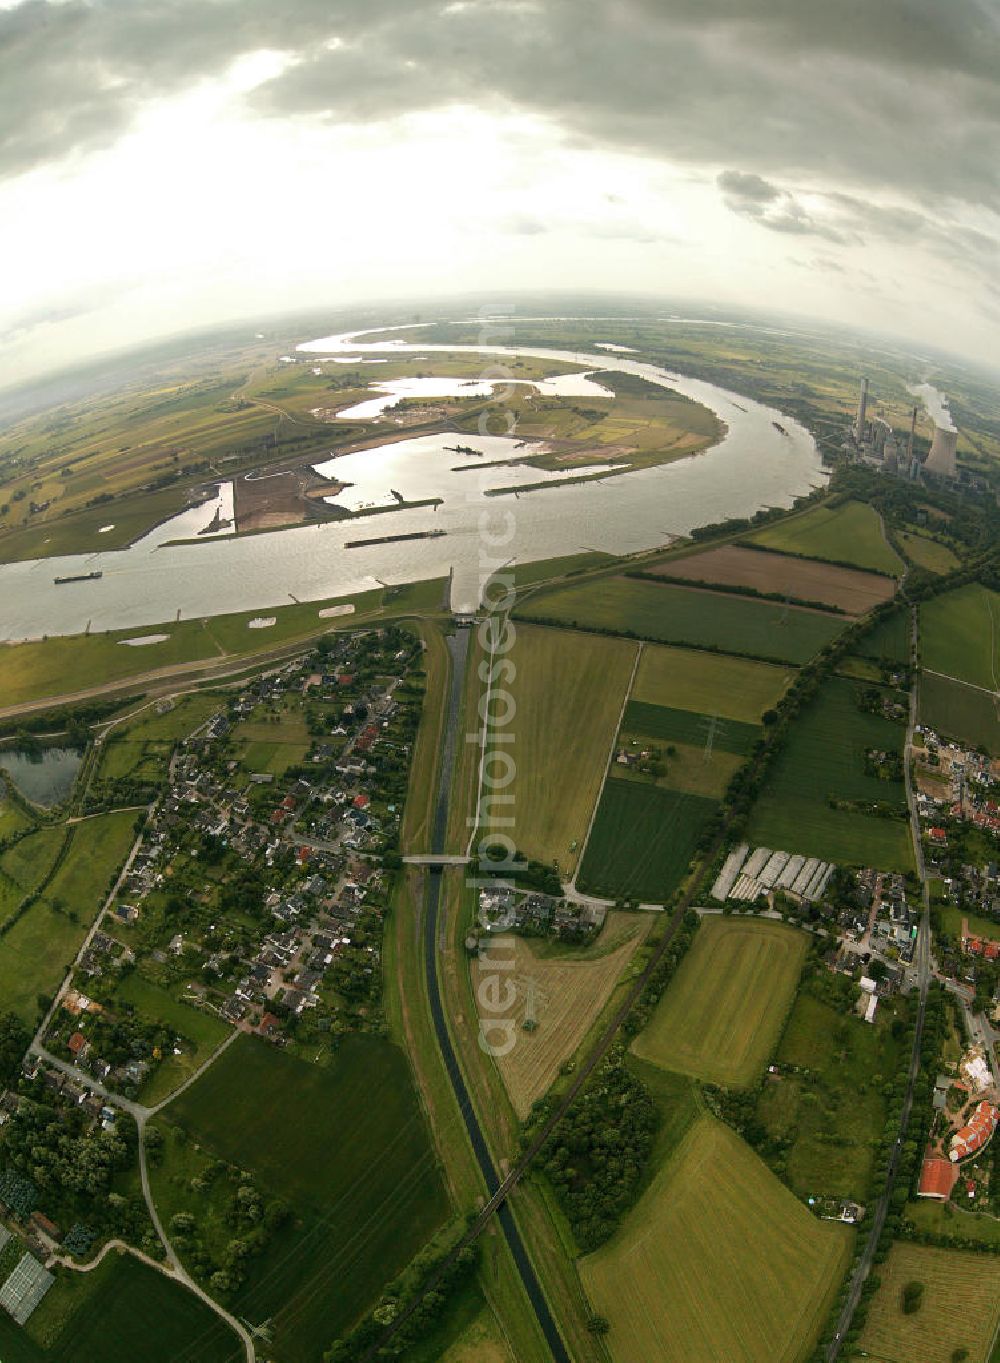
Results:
[569, 691]
[960, 1308]
[721, 1016]
[565, 994]
[709, 683]
[717, 1261]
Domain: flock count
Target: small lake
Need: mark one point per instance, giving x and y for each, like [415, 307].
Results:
[45, 778]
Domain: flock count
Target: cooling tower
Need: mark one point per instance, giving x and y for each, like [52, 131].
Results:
[941, 460]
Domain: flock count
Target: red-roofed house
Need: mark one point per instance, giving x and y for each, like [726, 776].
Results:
[77, 1044]
[937, 1178]
[361, 802]
[976, 1134]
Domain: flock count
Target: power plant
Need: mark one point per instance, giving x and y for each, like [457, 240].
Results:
[873, 441]
[942, 459]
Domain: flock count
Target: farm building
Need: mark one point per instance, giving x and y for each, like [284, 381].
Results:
[976, 1134]
[937, 1178]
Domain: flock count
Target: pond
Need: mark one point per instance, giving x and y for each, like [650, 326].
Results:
[46, 777]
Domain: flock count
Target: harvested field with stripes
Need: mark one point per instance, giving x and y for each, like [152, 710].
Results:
[734, 565]
[717, 1261]
[722, 1014]
[569, 690]
[709, 683]
[960, 1308]
[564, 994]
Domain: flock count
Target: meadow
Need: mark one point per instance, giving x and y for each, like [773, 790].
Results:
[960, 635]
[960, 1306]
[721, 1016]
[121, 1312]
[68, 664]
[38, 948]
[687, 767]
[567, 993]
[939, 1219]
[139, 749]
[682, 615]
[889, 639]
[832, 1113]
[928, 553]
[850, 533]
[961, 712]
[736, 565]
[824, 757]
[709, 683]
[689, 727]
[642, 841]
[568, 690]
[756, 1275]
[266, 743]
[200, 1032]
[346, 1147]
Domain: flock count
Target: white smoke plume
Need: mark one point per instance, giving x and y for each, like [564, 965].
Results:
[936, 405]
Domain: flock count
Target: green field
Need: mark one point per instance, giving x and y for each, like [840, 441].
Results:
[717, 1262]
[850, 533]
[64, 665]
[832, 1112]
[824, 756]
[687, 726]
[642, 840]
[24, 866]
[709, 683]
[200, 1032]
[345, 1147]
[121, 1312]
[39, 947]
[960, 1307]
[681, 615]
[960, 635]
[940, 1219]
[272, 744]
[141, 748]
[722, 1014]
[569, 691]
[889, 639]
[959, 711]
[927, 553]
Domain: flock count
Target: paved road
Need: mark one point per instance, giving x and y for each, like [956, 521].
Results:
[922, 962]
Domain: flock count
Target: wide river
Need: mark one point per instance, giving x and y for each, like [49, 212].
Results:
[753, 466]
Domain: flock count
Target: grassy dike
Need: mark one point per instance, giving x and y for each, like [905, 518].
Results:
[37, 673]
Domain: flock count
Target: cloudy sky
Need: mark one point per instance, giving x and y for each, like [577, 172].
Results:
[169, 163]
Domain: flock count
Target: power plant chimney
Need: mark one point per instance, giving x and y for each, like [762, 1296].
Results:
[909, 446]
[860, 424]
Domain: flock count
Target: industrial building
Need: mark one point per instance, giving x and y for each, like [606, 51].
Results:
[873, 441]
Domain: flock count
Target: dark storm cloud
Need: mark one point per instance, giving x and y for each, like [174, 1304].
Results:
[776, 209]
[897, 95]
